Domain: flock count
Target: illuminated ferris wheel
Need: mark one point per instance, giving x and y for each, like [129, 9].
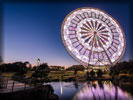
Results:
[93, 37]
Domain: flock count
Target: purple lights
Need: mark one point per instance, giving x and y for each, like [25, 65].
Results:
[73, 28]
[104, 92]
[93, 33]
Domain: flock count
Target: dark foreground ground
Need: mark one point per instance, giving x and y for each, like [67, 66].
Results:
[41, 93]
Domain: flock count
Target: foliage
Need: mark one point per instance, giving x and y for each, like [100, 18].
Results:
[41, 73]
[122, 67]
[75, 72]
[76, 67]
[92, 73]
[99, 73]
[87, 74]
[21, 73]
[56, 68]
[114, 72]
[13, 67]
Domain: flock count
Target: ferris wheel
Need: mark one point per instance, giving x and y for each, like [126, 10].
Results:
[93, 37]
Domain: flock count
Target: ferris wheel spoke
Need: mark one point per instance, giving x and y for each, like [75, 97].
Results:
[107, 56]
[95, 43]
[83, 32]
[87, 39]
[96, 24]
[106, 53]
[100, 60]
[99, 26]
[91, 49]
[102, 28]
[88, 24]
[84, 29]
[92, 24]
[91, 42]
[103, 41]
[99, 42]
[106, 35]
[105, 31]
[104, 38]
[86, 36]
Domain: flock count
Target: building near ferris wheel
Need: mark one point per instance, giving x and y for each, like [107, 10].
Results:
[93, 37]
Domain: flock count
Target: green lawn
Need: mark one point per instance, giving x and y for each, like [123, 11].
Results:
[8, 74]
[63, 75]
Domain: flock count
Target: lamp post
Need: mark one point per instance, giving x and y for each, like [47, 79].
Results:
[38, 62]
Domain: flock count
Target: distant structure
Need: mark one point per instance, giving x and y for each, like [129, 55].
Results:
[93, 37]
[38, 62]
[1, 61]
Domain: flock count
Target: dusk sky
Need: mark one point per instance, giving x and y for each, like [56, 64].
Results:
[32, 31]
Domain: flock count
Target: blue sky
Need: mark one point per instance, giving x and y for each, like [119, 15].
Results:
[32, 31]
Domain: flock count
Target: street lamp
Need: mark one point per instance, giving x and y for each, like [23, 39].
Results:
[38, 61]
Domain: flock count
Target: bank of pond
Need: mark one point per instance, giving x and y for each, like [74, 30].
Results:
[75, 90]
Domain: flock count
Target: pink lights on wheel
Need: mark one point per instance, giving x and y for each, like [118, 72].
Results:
[93, 37]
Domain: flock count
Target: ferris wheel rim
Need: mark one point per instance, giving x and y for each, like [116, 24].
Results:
[77, 59]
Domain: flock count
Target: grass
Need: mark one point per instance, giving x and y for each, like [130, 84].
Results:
[63, 75]
[8, 74]
[53, 75]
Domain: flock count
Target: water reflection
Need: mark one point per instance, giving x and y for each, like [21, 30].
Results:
[98, 90]
[92, 90]
[61, 88]
[76, 84]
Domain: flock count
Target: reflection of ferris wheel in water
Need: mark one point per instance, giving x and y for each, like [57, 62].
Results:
[93, 37]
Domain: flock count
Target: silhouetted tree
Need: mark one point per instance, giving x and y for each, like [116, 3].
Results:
[30, 67]
[75, 72]
[56, 68]
[21, 72]
[92, 73]
[76, 67]
[41, 73]
[13, 67]
[122, 67]
[87, 74]
[114, 72]
[99, 73]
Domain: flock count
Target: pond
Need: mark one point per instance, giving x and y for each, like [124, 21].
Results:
[91, 90]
